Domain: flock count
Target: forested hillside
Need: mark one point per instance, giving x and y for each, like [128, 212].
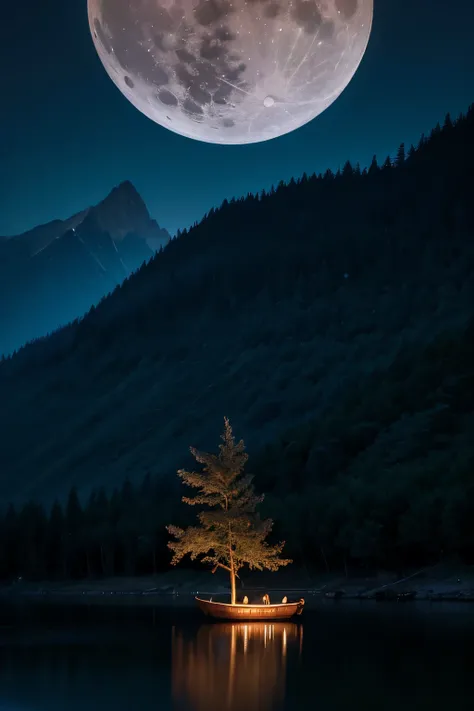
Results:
[331, 319]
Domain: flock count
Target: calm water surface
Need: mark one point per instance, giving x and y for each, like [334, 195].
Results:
[340, 656]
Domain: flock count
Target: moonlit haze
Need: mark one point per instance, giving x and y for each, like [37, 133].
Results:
[231, 72]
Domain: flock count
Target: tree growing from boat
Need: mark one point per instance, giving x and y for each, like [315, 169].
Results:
[230, 533]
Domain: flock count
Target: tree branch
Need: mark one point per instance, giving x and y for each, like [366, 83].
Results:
[221, 565]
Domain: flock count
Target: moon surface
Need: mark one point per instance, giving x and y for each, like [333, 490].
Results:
[231, 71]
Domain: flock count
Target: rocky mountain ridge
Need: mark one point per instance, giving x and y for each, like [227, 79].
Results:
[54, 273]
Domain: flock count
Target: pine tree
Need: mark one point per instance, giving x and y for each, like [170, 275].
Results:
[348, 170]
[448, 124]
[400, 159]
[422, 141]
[230, 533]
[55, 542]
[73, 522]
[374, 166]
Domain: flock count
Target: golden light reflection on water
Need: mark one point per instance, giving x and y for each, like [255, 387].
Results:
[233, 666]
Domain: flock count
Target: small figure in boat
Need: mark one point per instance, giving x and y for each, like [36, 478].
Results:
[245, 600]
[285, 600]
[266, 599]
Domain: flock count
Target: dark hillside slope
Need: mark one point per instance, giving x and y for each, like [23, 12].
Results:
[288, 312]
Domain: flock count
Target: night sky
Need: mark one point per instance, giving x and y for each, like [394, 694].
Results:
[68, 135]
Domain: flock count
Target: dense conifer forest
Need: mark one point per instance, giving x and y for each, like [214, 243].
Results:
[331, 318]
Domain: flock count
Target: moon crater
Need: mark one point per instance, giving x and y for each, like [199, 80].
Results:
[214, 67]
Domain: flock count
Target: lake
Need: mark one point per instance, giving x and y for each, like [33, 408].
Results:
[340, 655]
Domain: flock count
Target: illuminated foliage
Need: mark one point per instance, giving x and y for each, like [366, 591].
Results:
[230, 533]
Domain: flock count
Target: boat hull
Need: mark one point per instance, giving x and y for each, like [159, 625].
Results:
[239, 612]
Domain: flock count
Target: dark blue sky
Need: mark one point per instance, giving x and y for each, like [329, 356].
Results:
[68, 135]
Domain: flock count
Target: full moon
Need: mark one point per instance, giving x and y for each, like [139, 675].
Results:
[231, 71]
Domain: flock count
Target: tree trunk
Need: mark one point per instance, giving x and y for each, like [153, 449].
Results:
[233, 594]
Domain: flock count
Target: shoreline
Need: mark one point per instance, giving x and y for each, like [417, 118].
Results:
[440, 583]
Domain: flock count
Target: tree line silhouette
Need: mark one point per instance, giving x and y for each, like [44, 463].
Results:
[116, 534]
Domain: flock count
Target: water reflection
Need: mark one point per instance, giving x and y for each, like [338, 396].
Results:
[373, 658]
[233, 666]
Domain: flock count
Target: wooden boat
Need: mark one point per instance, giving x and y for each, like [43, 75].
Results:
[240, 611]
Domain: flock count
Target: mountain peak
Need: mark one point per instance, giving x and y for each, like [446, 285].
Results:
[123, 211]
[126, 185]
[73, 263]
[125, 188]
